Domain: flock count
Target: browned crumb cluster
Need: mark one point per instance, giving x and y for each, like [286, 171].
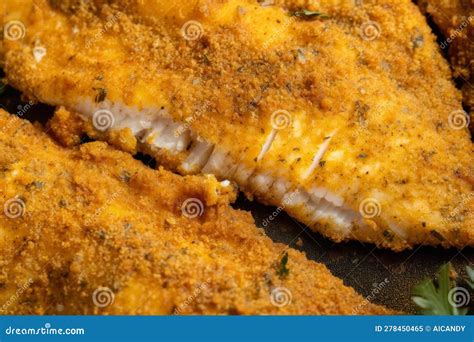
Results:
[64, 129]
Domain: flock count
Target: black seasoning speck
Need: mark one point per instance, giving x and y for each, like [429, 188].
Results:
[437, 235]
[388, 235]
[102, 234]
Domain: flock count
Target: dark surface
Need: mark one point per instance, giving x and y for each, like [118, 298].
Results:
[362, 266]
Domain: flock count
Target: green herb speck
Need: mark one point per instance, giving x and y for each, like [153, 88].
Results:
[125, 176]
[308, 14]
[283, 270]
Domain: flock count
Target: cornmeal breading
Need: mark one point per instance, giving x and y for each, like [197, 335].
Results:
[455, 18]
[90, 230]
[349, 120]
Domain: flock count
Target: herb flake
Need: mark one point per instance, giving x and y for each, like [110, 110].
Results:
[283, 270]
[125, 176]
[308, 14]
[101, 94]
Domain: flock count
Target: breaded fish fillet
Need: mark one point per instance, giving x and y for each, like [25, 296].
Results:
[455, 18]
[91, 230]
[344, 115]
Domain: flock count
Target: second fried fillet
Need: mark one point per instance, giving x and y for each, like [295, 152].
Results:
[455, 18]
[91, 230]
[347, 120]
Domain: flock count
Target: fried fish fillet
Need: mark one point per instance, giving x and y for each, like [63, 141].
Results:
[91, 230]
[342, 114]
[455, 18]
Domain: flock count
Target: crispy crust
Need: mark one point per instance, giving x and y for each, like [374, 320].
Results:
[95, 218]
[455, 18]
[388, 99]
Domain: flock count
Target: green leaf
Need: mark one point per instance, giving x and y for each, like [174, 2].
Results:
[470, 274]
[282, 269]
[421, 302]
[432, 297]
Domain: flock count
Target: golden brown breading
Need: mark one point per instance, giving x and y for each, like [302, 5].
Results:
[87, 225]
[455, 18]
[370, 141]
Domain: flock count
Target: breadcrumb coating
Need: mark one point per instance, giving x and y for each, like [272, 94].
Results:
[373, 116]
[455, 18]
[90, 230]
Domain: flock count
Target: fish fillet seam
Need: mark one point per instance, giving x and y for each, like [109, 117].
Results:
[206, 158]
